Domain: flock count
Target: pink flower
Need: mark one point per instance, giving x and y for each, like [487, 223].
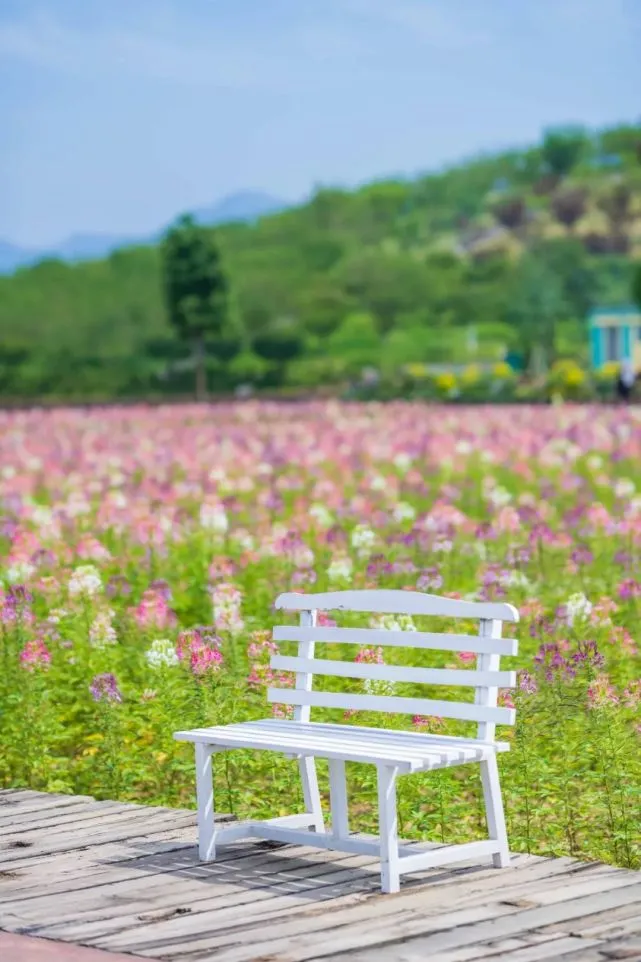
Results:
[506, 699]
[221, 568]
[632, 694]
[370, 656]
[602, 693]
[603, 610]
[283, 711]
[428, 723]
[201, 651]
[35, 654]
[153, 611]
[467, 657]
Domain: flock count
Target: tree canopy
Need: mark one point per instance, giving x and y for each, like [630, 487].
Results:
[389, 273]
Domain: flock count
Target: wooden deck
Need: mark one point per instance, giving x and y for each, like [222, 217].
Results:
[126, 879]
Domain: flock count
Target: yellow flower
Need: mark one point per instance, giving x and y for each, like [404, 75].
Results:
[446, 381]
[608, 371]
[471, 374]
[502, 370]
[574, 377]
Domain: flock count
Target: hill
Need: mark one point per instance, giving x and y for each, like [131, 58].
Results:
[498, 252]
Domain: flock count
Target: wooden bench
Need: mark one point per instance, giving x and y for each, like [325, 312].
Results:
[393, 752]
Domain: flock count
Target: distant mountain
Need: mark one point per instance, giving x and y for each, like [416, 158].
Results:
[244, 207]
[12, 257]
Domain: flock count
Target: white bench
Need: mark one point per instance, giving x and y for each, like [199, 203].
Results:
[393, 752]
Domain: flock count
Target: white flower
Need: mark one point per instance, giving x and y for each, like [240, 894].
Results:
[624, 488]
[243, 539]
[393, 622]
[578, 608]
[161, 653]
[404, 511]
[102, 633]
[442, 546]
[77, 505]
[499, 497]
[19, 572]
[213, 517]
[517, 579]
[594, 462]
[303, 556]
[463, 447]
[402, 461]
[322, 515]
[56, 615]
[340, 568]
[363, 539]
[378, 483]
[85, 580]
[42, 516]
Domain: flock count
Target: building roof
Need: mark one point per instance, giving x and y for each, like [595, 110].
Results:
[599, 315]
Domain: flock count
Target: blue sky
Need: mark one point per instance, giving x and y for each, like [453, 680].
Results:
[115, 115]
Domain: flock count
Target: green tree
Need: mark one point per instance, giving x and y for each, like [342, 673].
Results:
[196, 291]
[636, 286]
[535, 308]
[562, 148]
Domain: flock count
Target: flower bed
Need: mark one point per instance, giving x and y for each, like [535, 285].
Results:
[142, 550]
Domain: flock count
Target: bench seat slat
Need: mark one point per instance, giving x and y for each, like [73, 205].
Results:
[409, 750]
[396, 673]
[464, 711]
[372, 637]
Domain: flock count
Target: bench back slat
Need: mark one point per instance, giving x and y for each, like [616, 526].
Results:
[486, 679]
[397, 602]
[373, 637]
[396, 673]
[464, 711]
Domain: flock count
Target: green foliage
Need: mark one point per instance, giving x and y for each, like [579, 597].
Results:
[562, 148]
[427, 260]
[195, 290]
[636, 286]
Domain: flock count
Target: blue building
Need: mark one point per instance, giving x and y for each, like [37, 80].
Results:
[615, 335]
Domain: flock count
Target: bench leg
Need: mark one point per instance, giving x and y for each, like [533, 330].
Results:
[205, 799]
[338, 798]
[388, 828]
[494, 811]
[311, 794]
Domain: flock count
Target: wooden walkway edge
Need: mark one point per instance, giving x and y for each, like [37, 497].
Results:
[126, 879]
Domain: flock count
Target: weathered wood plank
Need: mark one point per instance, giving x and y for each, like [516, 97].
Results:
[509, 950]
[359, 927]
[127, 878]
[268, 873]
[196, 931]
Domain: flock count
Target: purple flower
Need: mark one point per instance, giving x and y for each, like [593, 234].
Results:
[117, 585]
[582, 556]
[527, 682]
[629, 588]
[105, 688]
[162, 589]
[430, 579]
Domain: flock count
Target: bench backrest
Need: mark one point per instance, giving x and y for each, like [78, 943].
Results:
[488, 646]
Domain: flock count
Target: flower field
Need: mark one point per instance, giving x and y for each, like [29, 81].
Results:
[141, 551]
